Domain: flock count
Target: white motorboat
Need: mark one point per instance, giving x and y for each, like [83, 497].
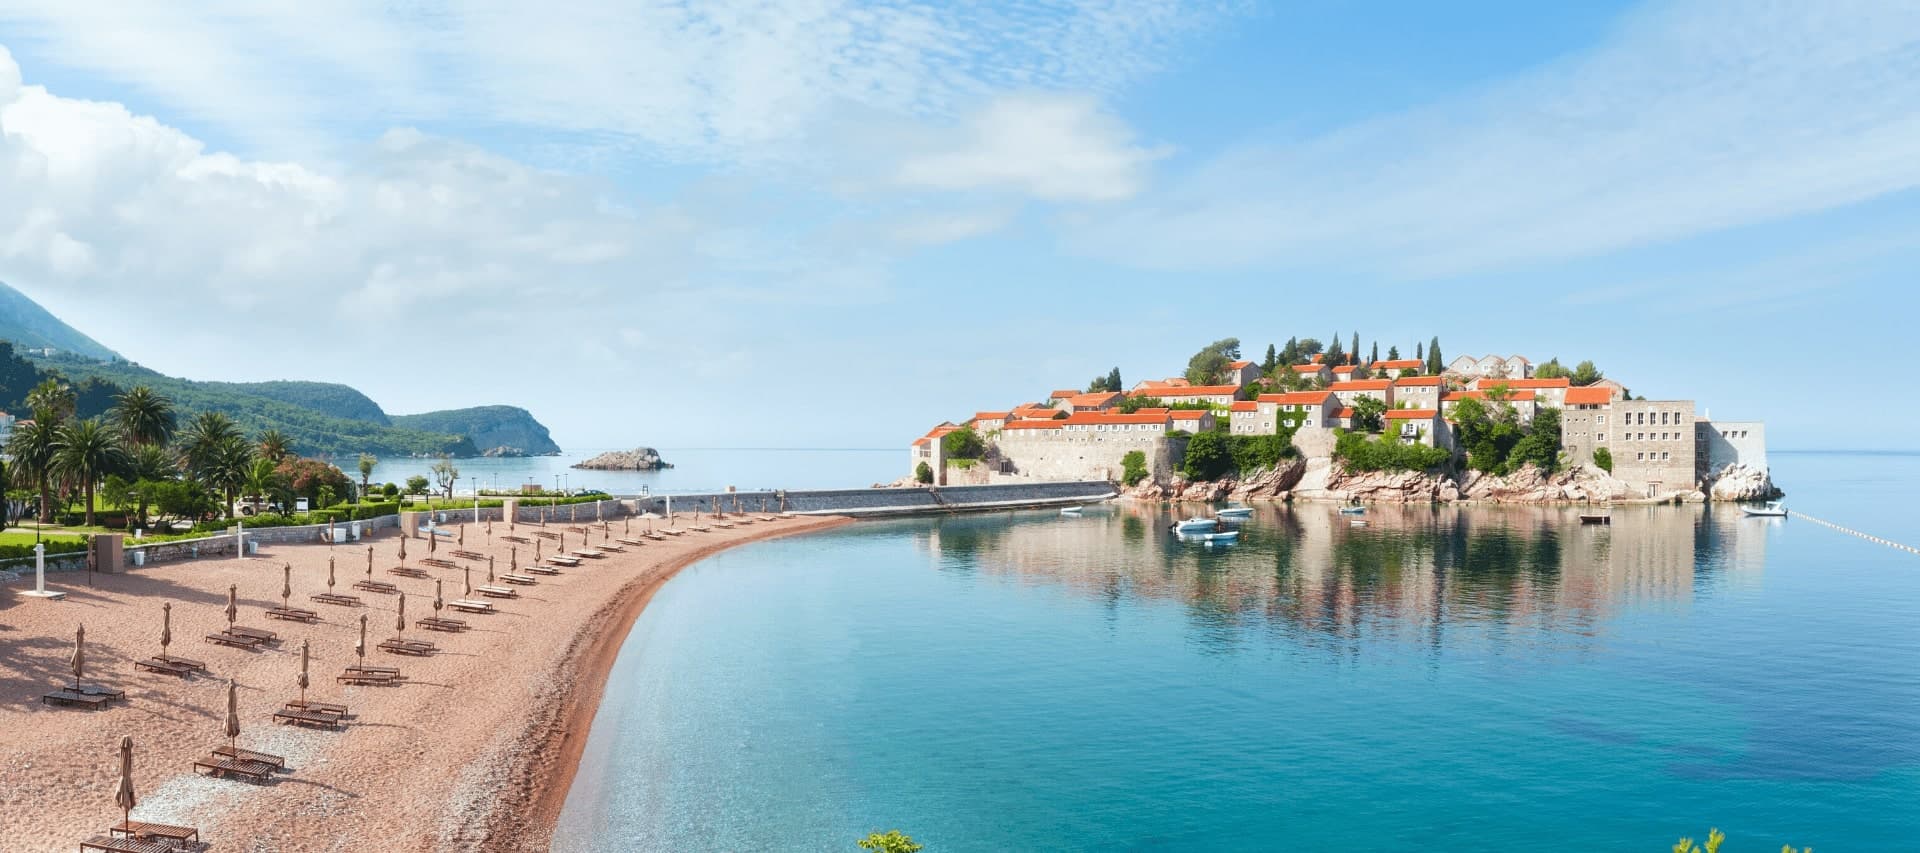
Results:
[1071, 510]
[1772, 509]
[1353, 510]
[1226, 536]
[1235, 512]
[1197, 525]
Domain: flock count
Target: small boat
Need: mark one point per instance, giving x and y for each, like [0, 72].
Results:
[1227, 536]
[1235, 512]
[1197, 525]
[1773, 509]
[1353, 510]
[1071, 510]
[1596, 519]
[1358, 522]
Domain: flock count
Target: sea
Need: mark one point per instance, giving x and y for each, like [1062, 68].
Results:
[695, 471]
[1442, 678]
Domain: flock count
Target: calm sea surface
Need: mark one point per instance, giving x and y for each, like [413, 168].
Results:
[695, 470]
[1440, 679]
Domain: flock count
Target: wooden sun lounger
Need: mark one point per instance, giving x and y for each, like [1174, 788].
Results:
[657, 537]
[293, 614]
[439, 563]
[673, 531]
[341, 600]
[70, 699]
[234, 640]
[468, 555]
[467, 605]
[376, 586]
[367, 678]
[215, 765]
[408, 647]
[521, 580]
[565, 562]
[260, 634]
[407, 572]
[699, 528]
[306, 718]
[606, 548]
[435, 623]
[377, 670]
[577, 529]
[189, 663]
[109, 844]
[547, 534]
[518, 540]
[625, 540]
[141, 830]
[318, 707]
[586, 554]
[543, 570]
[724, 525]
[165, 667]
[234, 753]
[497, 591]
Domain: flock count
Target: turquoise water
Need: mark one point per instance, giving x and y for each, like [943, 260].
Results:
[1441, 679]
[694, 470]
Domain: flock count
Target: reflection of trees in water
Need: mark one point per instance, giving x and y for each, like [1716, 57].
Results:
[1304, 572]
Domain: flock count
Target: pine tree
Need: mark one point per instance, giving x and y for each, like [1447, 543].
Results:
[1375, 356]
[1419, 351]
[1393, 353]
[1434, 365]
[1273, 358]
[1334, 354]
[1291, 355]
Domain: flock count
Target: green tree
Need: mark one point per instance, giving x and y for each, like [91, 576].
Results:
[417, 485]
[1207, 365]
[1374, 356]
[264, 482]
[1113, 380]
[1336, 354]
[1434, 365]
[391, 491]
[1603, 459]
[1393, 353]
[1308, 348]
[1541, 445]
[51, 400]
[145, 418]
[445, 473]
[85, 451]
[179, 499]
[891, 841]
[1419, 351]
[1133, 467]
[1585, 373]
[1208, 457]
[962, 443]
[1552, 369]
[226, 468]
[367, 461]
[1353, 352]
[1369, 414]
[922, 473]
[32, 446]
[273, 446]
[203, 439]
[1272, 360]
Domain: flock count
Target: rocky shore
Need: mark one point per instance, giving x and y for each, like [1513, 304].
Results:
[639, 459]
[1326, 480]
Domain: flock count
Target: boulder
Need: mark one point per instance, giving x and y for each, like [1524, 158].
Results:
[639, 459]
[1739, 482]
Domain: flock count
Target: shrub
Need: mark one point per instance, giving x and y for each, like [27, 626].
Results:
[923, 473]
[13, 551]
[1360, 453]
[962, 443]
[1603, 459]
[1209, 456]
[1133, 467]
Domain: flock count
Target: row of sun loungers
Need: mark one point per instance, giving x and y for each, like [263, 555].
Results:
[435, 623]
[170, 665]
[376, 586]
[468, 605]
[377, 676]
[406, 572]
[439, 563]
[293, 614]
[341, 600]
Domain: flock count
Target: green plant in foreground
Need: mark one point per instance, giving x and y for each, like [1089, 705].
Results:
[891, 841]
[1715, 838]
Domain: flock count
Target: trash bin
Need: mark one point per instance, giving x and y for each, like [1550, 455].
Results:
[139, 558]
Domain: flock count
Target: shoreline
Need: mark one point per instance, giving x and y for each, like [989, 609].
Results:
[476, 750]
[564, 719]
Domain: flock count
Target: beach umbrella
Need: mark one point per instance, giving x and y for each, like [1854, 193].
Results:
[400, 619]
[489, 531]
[513, 560]
[561, 544]
[360, 646]
[369, 562]
[286, 587]
[466, 573]
[463, 536]
[166, 628]
[233, 712]
[433, 539]
[303, 672]
[437, 603]
[403, 547]
[536, 550]
[489, 568]
[79, 659]
[329, 575]
[233, 604]
[123, 797]
[626, 525]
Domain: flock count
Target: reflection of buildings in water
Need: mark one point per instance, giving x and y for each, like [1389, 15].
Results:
[1413, 572]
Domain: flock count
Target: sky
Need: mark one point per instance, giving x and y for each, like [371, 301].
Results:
[835, 224]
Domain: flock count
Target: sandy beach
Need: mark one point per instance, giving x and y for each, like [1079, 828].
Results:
[474, 751]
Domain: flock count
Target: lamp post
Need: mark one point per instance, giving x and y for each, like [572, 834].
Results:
[476, 499]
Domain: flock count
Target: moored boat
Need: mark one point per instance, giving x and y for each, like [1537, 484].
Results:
[1772, 509]
[1071, 510]
[1353, 510]
[1235, 512]
[1196, 525]
[1224, 536]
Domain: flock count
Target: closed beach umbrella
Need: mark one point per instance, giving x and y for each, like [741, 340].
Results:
[233, 604]
[166, 628]
[400, 620]
[466, 573]
[369, 562]
[489, 531]
[360, 646]
[513, 559]
[329, 575]
[573, 512]
[536, 550]
[79, 659]
[562, 542]
[433, 539]
[437, 603]
[233, 712]
[123, 797]
[286, 586]
[403, 547]
[463, 536]
[303, 672]
[489, 568]
[626, 525]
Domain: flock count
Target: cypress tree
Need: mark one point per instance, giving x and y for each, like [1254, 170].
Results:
[1353, 352]
[1113, 380]
[1334, 355]
[1434, 365]
[1273, 358]
[1393, 353]
[1291, 355]
[1419, 351]
[1375, 356]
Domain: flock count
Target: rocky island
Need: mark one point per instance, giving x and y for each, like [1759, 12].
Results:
[638, 459]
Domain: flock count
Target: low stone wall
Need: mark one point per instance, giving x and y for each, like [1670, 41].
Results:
[919, 500]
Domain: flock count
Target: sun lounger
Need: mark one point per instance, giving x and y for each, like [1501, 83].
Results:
[407, 572]
[586, 554]
[724, 525]
[260, 634]
[109, 844]
[564, 561]
[318, 707]
[435, 623]
[306, 718]
[236, 641]
[543, 570]
[215, 765]
[439, 563]
[414, 648]
[143, 831]
[577, 529]
[341, 600]
[518, 540]
[610, 549]
[769, 518]
[234, 753]
[673, 531]
[468, 555]
[624, 540]
[657, 537]
[366, 678]
[165, 667]
[376, 670]
[521, 580]
[497, 591]
[293, 614]
[699, 528]
[97, 690]
[468, 605]
[69, 699]
[547, 534]
[376, 586]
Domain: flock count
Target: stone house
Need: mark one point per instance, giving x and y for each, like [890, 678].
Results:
[1242, 372]
[1467, 367]
[1723, 443]
[1245, 418]
[1297, 410]
[1218, 395]
[1418, 392]
[1145, 387]
[1349, 392]
[1398, 367]
[989, 422]
[1349, 373]
[1654, 443]
[1589, 397]
[1313, 372]
[1098, 401]
[1548, 392]
[1524, 403]
[1420, 426]
[1191, 420]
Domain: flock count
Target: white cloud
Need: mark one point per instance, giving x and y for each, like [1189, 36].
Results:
[1690, 118]
[1049, 147]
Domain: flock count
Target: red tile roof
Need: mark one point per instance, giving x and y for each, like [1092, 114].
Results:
[1189, 414]
[1418, 381]
[1589, 396]
[1245, 406]
[1343, 412]
[1239, 364]
[1399, 364]
[1062, 394]
[1406, 414]
[1457, 396]
[1486, 382]
[1195, 391]
[1034, 425]
[1344, 369]
[1361, 385]
[989, 416]
[1297, 398]
[1308, 368]
[1155, 411]
[1102, 398]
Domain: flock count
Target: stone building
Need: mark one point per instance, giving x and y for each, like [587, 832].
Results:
[1087, 446]
[1348, 392]
[1653, 442]
[1420, 426]
[1549, 392]
[1298, 409]
[1398, 367]
[1315, 372]
[1725, 443]
[1242, 372]
[1467, 367]
[1418, 392]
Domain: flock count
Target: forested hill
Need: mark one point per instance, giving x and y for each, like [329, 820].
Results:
[496, 430]
[321, 418]
[29, 326]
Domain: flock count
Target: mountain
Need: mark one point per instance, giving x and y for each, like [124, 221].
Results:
[496, 430]
[29, 326]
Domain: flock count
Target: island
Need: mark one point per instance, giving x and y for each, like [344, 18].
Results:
[638, 459]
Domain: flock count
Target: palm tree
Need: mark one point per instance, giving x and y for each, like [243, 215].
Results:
[201, 440]
[150, 465]
[264, 482]
[51, 400]
[367, 461]
[145, 418]
[84, 452]
[274, 446]
[228, 466]
[32, 447]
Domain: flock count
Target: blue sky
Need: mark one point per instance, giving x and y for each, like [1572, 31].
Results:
[835, 224]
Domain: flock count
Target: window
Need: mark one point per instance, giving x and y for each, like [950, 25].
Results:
[1601, 437]
[1640, 457]
[1601, 420]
